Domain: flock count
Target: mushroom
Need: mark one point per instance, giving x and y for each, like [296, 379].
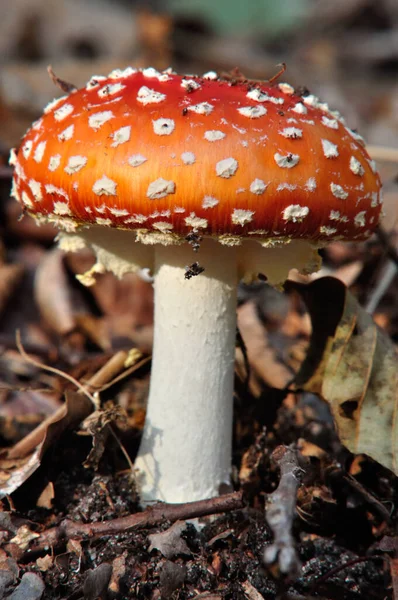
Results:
[180, 174]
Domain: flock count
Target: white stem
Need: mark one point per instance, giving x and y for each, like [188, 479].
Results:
[185, 453]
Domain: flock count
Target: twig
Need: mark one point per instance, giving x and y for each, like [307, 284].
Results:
[155, 515]
[383, 153]
[58, 372]
[35, 437]
[280, 513]
[345, 565]
[66, 87]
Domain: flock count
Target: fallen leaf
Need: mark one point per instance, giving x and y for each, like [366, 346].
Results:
[352, 364]
[169, 542]
[23, 459]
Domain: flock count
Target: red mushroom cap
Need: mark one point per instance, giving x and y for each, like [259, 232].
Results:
[169, 154]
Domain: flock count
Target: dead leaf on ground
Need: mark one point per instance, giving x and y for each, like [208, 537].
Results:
[19, 462]
[352, 364]
[169, 542]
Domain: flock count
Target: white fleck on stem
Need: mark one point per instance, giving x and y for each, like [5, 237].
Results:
[185, 453]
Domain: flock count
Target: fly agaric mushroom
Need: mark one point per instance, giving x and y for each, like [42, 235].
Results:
[146, 168]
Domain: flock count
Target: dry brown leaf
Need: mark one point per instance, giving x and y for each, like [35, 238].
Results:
[21, 461]
[352, 364]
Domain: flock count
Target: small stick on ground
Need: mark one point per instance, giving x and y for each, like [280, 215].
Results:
[151, 517]
[281, 511]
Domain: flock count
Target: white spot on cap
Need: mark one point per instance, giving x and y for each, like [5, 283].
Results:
[105, 186]
[310, 184]
[64, 111]
[286, 186]
[359, 219]
[203, 108]
[151, 72]
[12, 161]
[226, 167]
[94, 81]
[286, 88]
[118, 212]
[163, 226]
[26, 200]
[300, 109]
[258, 186]
[39, 152]
[122, 74]
[61, 208]
[67, 134]
[338, 191]
[161, 213]
[14, 193]
[135, 160]
[35, 187]
[196, 222]
[295, 213]
[121, 136]
[292, 132]
[375, 200]
[330, 150]
[51, 105]
[101, 209]
[372, 165]
[242, 217]
[209, 202]
[253, 112]
[188, 158]
[356, 167]
[110, 89]
[212, 75]
[327, 230]
[52, 189]
[213, 135]
[286, 161]
[96, 120]
[311, 100]
[27, 148]
[163, 126]
[334, 215]
[331, 123]
[75, 163]
[356, 136]
[257, 95]
[179, 209]
[160, 188]
[137, 218]
[54, 162]
[148, 96]
[104, 222]
[190, 84]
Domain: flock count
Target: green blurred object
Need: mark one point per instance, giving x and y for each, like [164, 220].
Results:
[244, 16]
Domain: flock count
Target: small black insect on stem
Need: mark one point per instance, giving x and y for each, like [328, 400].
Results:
[194, 239]
[193, 270]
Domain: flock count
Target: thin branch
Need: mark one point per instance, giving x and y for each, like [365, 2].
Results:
[62, 374]
[383, 153]
[151, 517]
[281, 511]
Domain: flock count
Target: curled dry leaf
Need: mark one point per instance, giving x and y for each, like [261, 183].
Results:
[21, 461]
[352, 364]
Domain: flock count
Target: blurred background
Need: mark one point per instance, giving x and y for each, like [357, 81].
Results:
[345, 51]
